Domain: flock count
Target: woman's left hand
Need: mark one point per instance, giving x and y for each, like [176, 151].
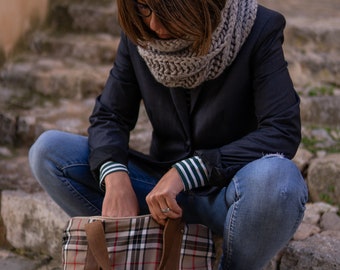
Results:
[162, 199]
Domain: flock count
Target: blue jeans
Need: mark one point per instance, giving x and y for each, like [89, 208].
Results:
[257, 213]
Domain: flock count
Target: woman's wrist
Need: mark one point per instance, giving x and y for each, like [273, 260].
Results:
[108, 168]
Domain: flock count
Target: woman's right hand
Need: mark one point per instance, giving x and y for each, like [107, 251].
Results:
[120, 199]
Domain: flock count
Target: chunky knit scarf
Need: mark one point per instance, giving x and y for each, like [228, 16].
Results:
[173, 64]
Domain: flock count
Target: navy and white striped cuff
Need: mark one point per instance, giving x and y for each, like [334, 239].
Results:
[193, 172]
[107, 168]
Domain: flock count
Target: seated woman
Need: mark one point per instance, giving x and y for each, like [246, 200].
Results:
[225, 118]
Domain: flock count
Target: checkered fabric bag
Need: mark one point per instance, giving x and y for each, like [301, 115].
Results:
[135, 243]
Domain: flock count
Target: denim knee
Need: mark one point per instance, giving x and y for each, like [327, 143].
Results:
[266, 201]
[45, 142]
[41, 147]
[54, 150]
[269, 178]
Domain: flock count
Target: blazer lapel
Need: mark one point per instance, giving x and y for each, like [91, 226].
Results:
[179, 99]
[195, 93]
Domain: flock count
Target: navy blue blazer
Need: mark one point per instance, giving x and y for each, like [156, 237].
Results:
[250, 110]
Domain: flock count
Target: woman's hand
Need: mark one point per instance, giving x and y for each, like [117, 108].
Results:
[162, 199]
[120, 199]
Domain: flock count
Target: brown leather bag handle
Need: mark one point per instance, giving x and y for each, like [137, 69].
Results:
[172, 242]
[98, 258]
[97, 254]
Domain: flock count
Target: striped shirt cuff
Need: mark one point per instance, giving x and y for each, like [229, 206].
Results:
[193, 172]
[107, 168]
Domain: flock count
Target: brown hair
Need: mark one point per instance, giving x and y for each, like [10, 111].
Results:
[192, 20]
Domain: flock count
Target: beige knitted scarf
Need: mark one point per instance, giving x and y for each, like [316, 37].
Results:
[173, 64]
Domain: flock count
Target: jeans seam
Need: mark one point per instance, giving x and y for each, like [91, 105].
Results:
[302, 208]
[231, 226]
[230, 237]
[62, 168]
[298, 221]
[301, 215]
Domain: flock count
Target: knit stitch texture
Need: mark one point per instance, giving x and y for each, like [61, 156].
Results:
[173, 64]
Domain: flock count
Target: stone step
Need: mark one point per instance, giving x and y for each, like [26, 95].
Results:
[54, 78]
[36, 229]
[321, 110]
[12, 261]
[312, 39]
[312, 50]
[32, 96]
[312, 9]
[94, 17]
[308, 35]
[22, 127]
[310, 68]
[91, 48]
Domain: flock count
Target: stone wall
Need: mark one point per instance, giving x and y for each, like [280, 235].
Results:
[16, 18]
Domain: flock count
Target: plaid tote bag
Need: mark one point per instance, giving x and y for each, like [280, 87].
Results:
[93, 243]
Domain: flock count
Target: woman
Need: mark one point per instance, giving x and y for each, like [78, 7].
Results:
[225, 120]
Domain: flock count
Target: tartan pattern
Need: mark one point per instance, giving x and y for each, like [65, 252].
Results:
[136, 244]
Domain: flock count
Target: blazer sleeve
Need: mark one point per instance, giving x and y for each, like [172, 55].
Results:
[115, 113]
[276, 106]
